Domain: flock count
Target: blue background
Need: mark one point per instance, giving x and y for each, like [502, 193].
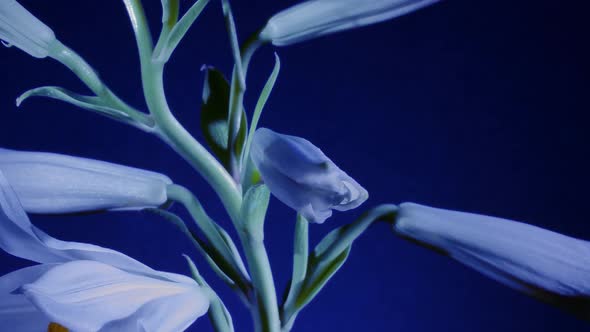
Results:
[478, 106]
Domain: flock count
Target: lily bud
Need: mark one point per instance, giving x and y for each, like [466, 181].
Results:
[316, 18]
[20, 28]
[547, 265]
[53, 183]
[302, 177]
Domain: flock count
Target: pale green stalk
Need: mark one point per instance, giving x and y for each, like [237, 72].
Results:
[169, 129]
[218, 313]
[88, 75]
[300, 261]
[326, 252]
[252, 235]
[231, 263]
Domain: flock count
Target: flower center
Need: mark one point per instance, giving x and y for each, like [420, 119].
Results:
[55, 327]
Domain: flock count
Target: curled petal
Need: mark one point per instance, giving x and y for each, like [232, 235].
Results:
[20, 28]
[87, 295]
[53, 183]
[300, 175]
[542, 263]
[315, 18]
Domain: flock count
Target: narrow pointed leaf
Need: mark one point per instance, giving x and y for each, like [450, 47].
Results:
[170, 12]
[180, 29]
[90, 103]
[199, 244]
[300, 259]
[214, 114]
[331, 253]
[322, 273]
[218, 313]
[264, 95]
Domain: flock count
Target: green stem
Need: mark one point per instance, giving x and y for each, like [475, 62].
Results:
[169, 129]
[262, 279]
[218, 313]
[253, 215]
[349, 233]
[88, 76]
[339, 240]
[227, 258]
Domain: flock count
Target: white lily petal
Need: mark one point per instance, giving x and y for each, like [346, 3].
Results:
[16, 311]
[300, 175]
[20, 238]
[20, 28]
[87, 295]
[540, 262]
[53, 183]
[169, 314]
[315, 18]
[90, 278]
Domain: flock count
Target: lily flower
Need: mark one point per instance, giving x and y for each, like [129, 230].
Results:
[54, 183]
[83, 287]
[20, 28]
[302, 177]
[550, 266]
[315, 18]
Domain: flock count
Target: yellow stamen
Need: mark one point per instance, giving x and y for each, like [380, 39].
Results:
[55, 327]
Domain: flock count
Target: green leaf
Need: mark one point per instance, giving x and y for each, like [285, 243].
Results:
[264, 95]
[218, 313]
[300, 260]
[90, 103]
[179, 30]
[170, 10]
[234, 250]
[320, 273]
[254, 211]
[214, 114]
[331, 253]
[201, 246]
[234, 43]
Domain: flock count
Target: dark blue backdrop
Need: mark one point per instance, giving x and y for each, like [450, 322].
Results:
[468, 105]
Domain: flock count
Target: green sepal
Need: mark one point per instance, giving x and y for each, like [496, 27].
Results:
[214, 115]
[253, 211]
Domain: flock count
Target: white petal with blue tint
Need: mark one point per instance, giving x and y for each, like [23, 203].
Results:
[86, 296]
[20, 238]
[316, 18]
[302, 177]
[540, 262]
[20, 28]
[86, 288]
[16, 311]
[173, 313]
[54, 183]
